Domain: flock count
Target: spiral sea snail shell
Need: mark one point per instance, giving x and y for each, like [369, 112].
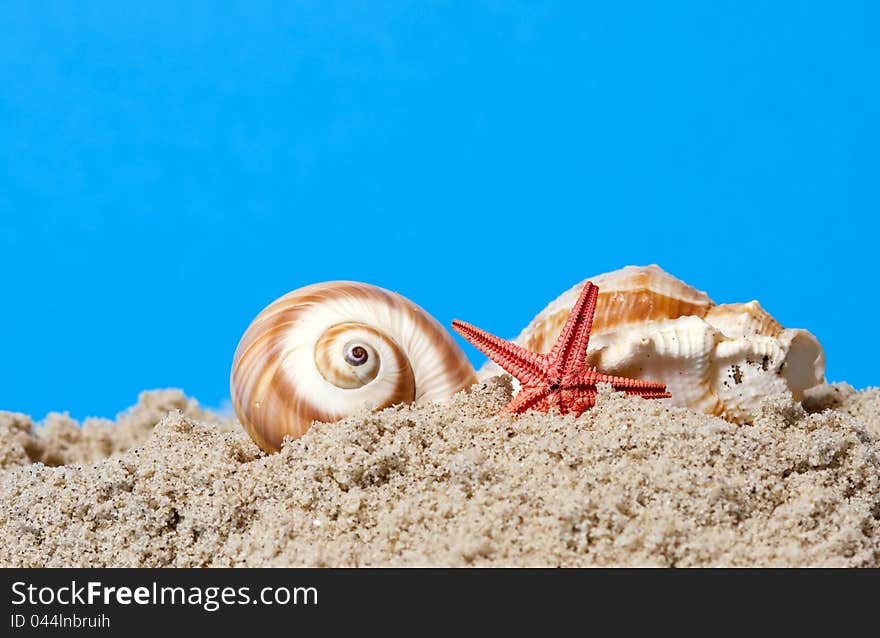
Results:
[324, 351]
[721, 359]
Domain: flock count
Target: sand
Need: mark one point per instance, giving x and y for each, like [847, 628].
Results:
[629, 483]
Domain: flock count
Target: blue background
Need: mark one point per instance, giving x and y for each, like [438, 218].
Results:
[167, 169]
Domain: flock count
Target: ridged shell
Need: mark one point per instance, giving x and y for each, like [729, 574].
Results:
[326, 350]
[718, 359]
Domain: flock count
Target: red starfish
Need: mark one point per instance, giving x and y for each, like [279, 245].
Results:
[559, 379]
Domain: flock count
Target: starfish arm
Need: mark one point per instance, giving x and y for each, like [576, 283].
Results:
[647, 389]
[577, 400]
[649, 394]
[532, 398]
[525, 365]
[570, 350]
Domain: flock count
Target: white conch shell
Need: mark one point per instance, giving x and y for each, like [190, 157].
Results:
[718, 359]
[326, 350]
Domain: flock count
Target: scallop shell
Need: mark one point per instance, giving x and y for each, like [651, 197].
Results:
[718, 359]
[327, 350]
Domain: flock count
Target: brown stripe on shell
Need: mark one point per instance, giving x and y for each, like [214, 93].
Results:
[327, 360]
[265, 401]
[454, 364]
[615, 308]
[739, 319]
[404, 391]
[631, 295]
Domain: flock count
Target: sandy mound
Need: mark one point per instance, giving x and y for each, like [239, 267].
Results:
[631, 482]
